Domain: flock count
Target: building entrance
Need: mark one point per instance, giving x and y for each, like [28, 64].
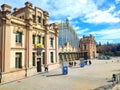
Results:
[85, 56]
[39, 65]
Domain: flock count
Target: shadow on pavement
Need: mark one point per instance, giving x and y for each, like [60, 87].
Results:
[110, 81]
[53, 75]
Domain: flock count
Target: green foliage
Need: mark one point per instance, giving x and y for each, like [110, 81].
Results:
[117, 53]
[109, 49]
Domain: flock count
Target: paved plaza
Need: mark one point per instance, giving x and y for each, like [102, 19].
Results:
[87, 78]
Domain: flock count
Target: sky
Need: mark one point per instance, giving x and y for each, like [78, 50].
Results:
[101, 18]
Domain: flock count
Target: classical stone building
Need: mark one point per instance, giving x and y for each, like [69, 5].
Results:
[69, 49]
[88, 46]
[21, 33]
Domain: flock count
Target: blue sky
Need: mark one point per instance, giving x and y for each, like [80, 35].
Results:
[98, 17]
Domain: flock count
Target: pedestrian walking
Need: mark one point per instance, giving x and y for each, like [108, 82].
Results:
[90, 62]
[46, 68]
[74, 63]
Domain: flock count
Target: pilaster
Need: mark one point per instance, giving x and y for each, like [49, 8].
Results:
[47, 57]
[6, 38]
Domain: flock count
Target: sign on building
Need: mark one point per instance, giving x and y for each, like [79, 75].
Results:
[40, 47]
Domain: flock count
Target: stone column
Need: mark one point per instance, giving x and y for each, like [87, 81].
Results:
[6, 42]
[47, 43]
[56, 48]
[30, 47]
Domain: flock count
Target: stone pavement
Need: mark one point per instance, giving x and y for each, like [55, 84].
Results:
[87, 78]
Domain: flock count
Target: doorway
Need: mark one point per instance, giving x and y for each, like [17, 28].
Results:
[39, 65]
[85, 56]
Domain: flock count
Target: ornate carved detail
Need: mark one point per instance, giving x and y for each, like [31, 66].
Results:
[18, 29]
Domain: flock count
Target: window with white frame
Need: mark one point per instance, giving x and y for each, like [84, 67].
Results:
[51, 57]
[43, 56]
[51, 42]
[38, 39]
[18, 37]
[33, 39]
[39, 19]
[18, 60]
[33, 58]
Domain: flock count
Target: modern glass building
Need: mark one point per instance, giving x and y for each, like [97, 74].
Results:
[67, 34]
[69, 49]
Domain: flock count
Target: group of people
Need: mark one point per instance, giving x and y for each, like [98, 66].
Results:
[72, 63]
[88, 62]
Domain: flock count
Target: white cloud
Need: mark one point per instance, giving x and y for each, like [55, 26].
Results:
[104, 16]
[86, 10]
[108, 34]
[83, 31]
[99, 2]
[117, 1]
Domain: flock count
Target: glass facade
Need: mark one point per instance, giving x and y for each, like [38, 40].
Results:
[67, 34]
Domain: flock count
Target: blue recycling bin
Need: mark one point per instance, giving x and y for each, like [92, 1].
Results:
[82, 64]
[65, 68]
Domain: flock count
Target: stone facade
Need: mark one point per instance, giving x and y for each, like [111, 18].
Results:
[20, 32]
[88, 46]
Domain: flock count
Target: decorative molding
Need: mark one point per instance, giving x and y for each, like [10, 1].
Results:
[18, 29]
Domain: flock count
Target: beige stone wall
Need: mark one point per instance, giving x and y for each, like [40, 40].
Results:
[0, 46]
[14, 29]
[28, 27]
[12, 58]
[11, 76]
[0, 37]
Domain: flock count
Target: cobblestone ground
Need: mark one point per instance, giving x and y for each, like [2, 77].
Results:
[87, 78]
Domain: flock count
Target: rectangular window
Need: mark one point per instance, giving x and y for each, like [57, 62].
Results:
[18, 60]
[38, 39]
[85, 47]
[33, 39]
[43, 21]
[43, 40]
[51, 57]
[18, 37]
[39, 19]
[33, 17]
[33, 58]
[51, 42]
[43, 57]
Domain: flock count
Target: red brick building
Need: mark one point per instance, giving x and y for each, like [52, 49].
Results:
[88, 46]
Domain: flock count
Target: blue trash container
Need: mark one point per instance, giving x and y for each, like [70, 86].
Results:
[65, 68]
[82, 64]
